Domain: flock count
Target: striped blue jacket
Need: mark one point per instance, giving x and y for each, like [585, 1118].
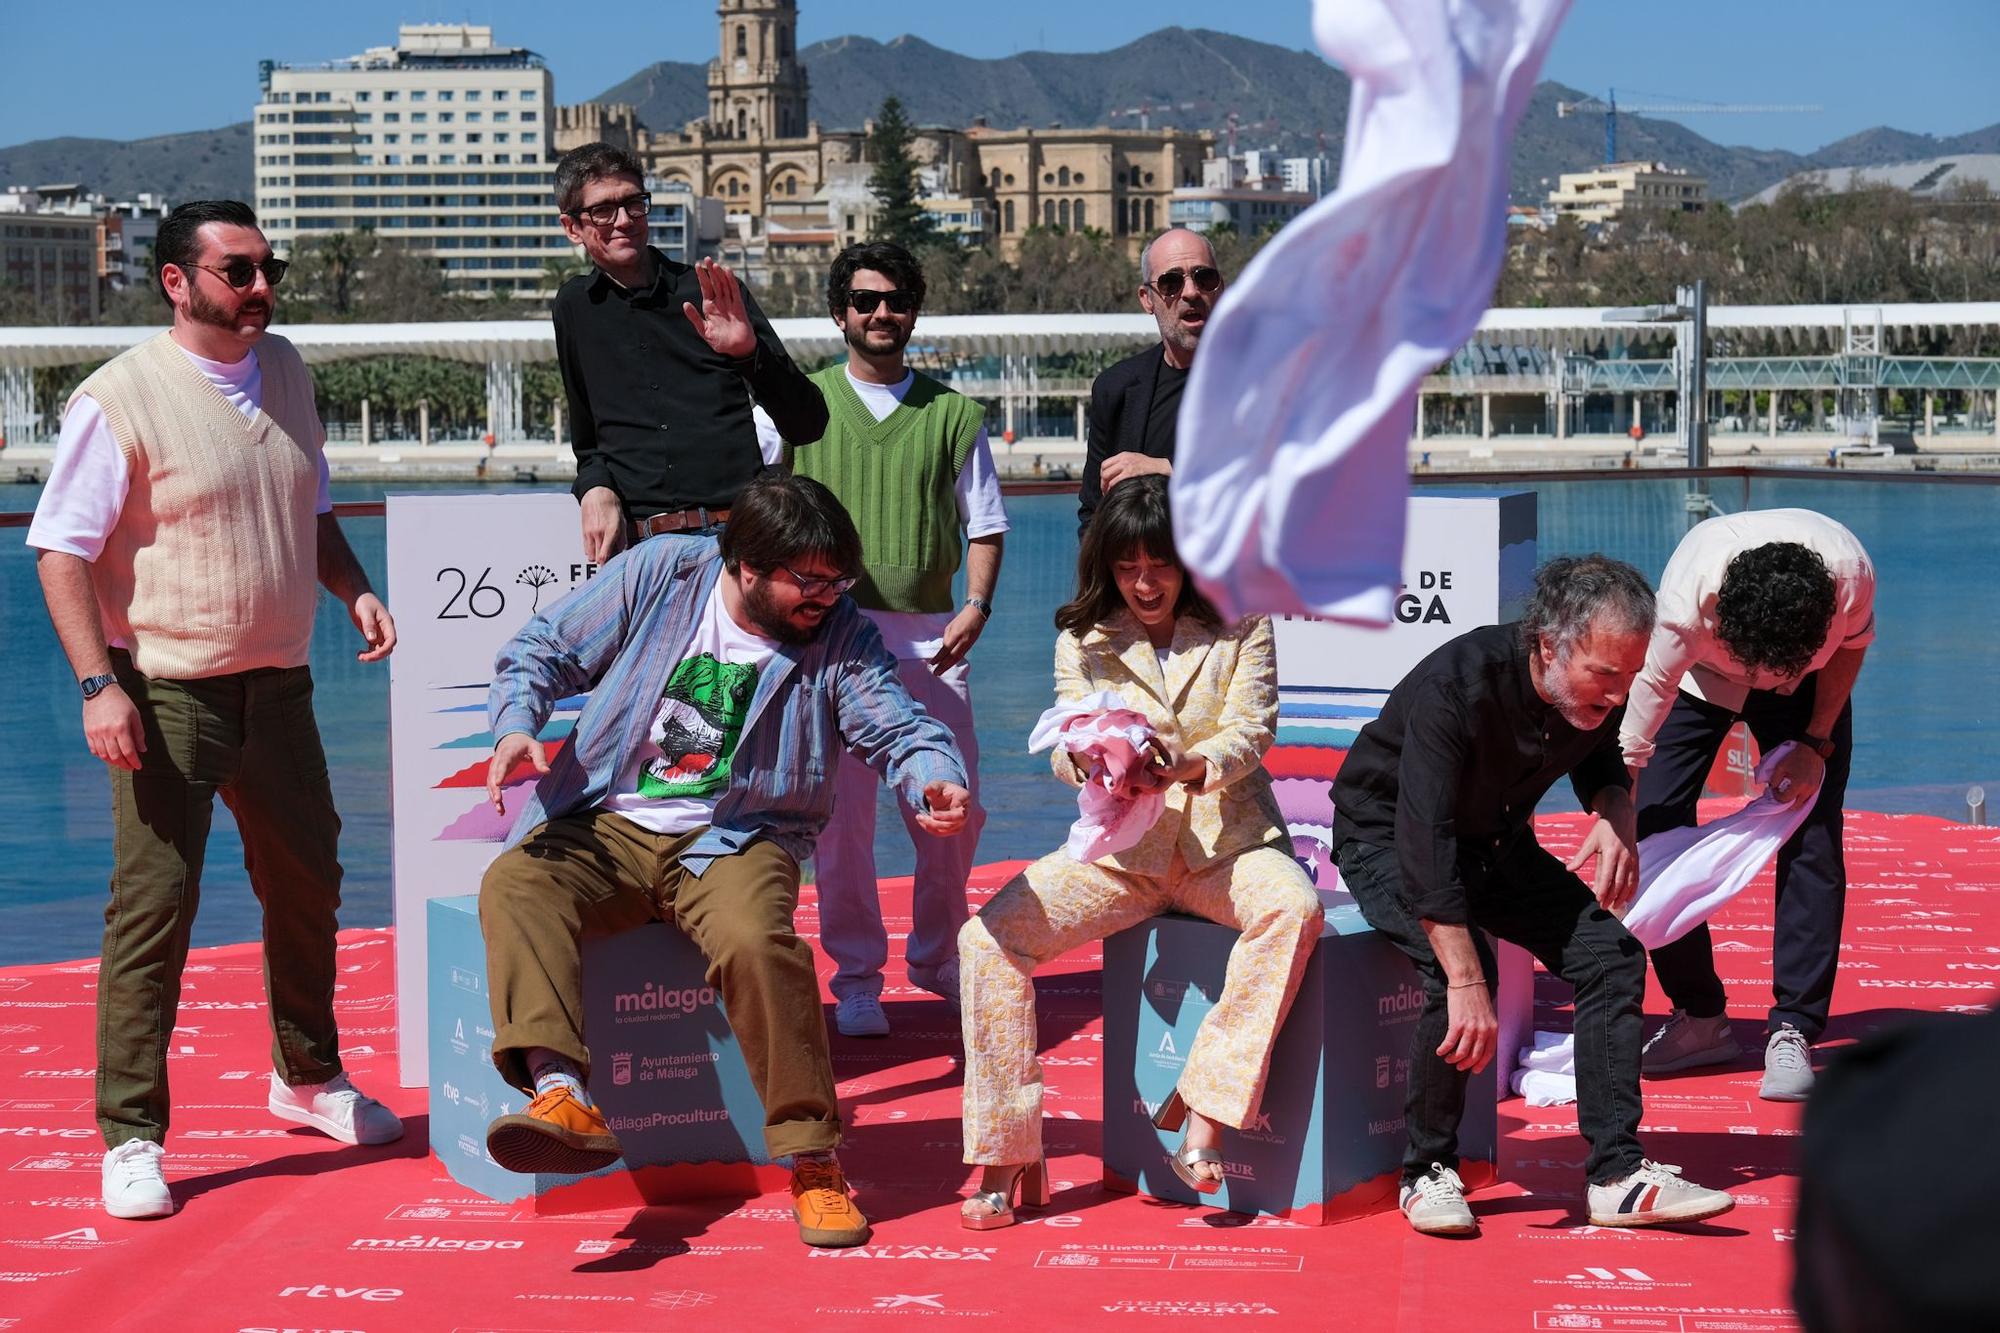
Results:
[620, 636]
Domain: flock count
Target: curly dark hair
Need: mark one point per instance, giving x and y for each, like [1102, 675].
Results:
[1775, 607]
[892, 261]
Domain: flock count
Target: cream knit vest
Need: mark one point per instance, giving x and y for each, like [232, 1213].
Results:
[213, 567]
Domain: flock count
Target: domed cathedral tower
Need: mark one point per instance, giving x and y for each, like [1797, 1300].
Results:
[756, 86]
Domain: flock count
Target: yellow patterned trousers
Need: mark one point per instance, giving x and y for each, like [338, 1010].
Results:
[1058, 903]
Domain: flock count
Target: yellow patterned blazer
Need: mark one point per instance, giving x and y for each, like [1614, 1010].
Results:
[1218, 698]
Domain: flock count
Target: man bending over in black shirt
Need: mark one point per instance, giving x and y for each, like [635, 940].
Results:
[1433, 832]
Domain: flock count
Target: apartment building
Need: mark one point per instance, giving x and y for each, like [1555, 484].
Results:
[1609, 192]
[49, 247]
[441, 143]
[1248, 193]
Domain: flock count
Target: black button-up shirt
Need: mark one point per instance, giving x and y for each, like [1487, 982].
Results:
[1450, 773]
[658, 415]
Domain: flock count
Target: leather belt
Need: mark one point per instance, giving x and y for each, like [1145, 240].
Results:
[679, 520]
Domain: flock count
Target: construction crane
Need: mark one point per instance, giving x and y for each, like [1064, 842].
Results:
[1609, 106]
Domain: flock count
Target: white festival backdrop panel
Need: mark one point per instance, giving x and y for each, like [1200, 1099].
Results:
[465, 573]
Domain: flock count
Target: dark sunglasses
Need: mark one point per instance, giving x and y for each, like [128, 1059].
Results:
[809, 587]
[240, 273]
[900, 301]
[603, 215]
[1207, 281]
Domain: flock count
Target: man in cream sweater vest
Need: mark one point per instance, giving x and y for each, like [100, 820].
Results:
[910, 460]
[179, 540]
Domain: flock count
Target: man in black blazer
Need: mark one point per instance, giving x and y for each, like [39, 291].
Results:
[1133, 404]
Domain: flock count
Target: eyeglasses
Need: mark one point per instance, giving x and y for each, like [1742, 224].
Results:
[240, 273]
[604, 214]
[900, 301]
[809, 587]
[1207, 281]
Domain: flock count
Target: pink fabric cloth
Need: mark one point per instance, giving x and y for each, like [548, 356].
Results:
[1110, 738]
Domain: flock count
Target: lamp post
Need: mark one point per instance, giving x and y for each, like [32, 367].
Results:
[1689, 316]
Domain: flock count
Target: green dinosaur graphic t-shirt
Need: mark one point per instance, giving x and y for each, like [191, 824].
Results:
[670, 784]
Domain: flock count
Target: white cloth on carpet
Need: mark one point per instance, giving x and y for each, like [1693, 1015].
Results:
[1291, 477]
[1546, 1072]
[1111, 740]
[1685, 876]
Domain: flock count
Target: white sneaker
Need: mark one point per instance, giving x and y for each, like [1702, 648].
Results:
[861, 1016]
[1653, 1194]
[1788, 1071]
[133, 1183]
[336, 1108]
[1435, 1204]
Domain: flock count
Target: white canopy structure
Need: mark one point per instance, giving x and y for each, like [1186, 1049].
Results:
[1020, 341]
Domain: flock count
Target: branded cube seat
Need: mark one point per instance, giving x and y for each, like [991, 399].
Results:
[665, 1067]
[1327, 1143]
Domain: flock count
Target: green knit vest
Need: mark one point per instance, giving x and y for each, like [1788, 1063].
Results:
[897, 477]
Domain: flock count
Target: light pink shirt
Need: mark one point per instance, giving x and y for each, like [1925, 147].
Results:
[1685, 653]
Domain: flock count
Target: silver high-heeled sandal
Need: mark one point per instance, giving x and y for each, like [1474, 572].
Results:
[1171, 1116]
[1031, 1183]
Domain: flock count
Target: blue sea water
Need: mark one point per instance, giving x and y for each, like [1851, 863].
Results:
[1927, 720]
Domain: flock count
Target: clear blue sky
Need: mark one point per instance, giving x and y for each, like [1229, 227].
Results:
[122, 69]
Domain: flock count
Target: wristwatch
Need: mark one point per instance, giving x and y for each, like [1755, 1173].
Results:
[96, 685]
[985, 607]
[1819, 745]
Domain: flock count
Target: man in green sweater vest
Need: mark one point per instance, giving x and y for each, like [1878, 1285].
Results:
[910, 460]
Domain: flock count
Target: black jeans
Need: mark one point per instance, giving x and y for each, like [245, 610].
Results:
[1529, 900]
[1812, 870]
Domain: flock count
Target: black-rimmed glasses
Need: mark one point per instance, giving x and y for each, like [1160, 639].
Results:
[1206, 280]
[604, 214]
[811, 587]
[900, 301]
[240, 272]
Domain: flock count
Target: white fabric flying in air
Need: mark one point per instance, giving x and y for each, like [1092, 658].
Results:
[1291, 476]
[1685, 877]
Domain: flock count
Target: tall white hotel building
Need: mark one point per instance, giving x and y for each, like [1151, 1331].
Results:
[441, 143]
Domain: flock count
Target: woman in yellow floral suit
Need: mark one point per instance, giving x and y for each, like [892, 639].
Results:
[1219, 850]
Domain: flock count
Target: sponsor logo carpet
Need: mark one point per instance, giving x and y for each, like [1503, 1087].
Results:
[290, 1230]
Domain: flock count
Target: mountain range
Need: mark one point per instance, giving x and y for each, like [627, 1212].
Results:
[1192, 79]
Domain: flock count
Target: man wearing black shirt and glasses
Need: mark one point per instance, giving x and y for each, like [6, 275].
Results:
[1434, 835]
[660, 362]
[1133, 405]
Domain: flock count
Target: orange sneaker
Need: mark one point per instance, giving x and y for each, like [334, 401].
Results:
[556, 1135]
[827, 1216]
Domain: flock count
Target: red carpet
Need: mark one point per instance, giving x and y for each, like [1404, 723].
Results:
[281, 1229]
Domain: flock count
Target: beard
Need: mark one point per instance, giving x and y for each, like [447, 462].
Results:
[898, 335]
[762, 608]
[231, 317]
[1562, 697]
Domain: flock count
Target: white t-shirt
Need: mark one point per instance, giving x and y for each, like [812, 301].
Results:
[89, 479]
[1686, 652]
[981, 512]
[671, 783]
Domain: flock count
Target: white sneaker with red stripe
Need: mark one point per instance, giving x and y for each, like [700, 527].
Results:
[1654, 1194]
